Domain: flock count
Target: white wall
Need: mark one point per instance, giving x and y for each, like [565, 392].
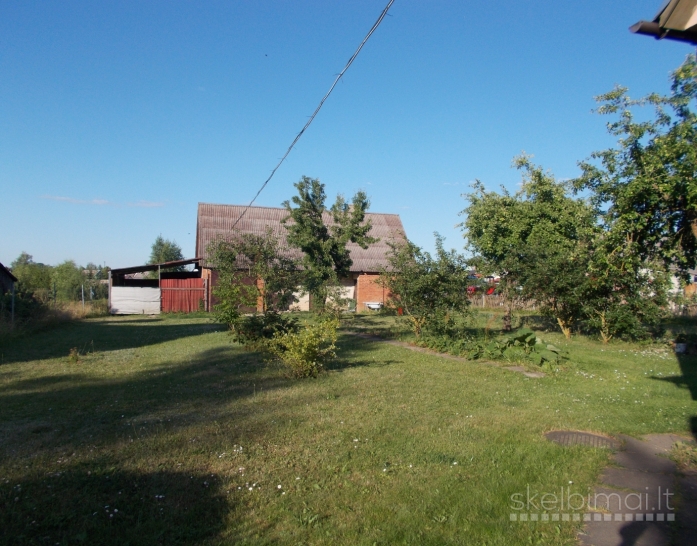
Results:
[134, 300]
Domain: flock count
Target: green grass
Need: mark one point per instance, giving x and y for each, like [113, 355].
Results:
[168, 422]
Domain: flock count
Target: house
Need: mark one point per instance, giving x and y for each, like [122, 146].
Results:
[216, 221]
[136, 290]
[7, 281]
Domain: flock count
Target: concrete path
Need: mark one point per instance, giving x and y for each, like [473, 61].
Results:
[643, 501]
[405, 345]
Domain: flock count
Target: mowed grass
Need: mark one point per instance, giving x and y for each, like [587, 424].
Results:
[164, 432]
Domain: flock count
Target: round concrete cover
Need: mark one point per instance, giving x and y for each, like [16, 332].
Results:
[573, 438]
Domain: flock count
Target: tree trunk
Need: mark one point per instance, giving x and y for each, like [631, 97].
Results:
[604, 328]
[565, 328]
[507, 319]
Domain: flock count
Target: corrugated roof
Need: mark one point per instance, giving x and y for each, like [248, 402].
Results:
[153, 267]
[215, 221]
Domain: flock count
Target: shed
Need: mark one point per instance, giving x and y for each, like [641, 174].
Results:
[132, 292]
[7, 280]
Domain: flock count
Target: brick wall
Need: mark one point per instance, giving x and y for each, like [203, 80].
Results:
[369, 290]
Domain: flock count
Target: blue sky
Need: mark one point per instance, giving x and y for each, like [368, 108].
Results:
[117, 118]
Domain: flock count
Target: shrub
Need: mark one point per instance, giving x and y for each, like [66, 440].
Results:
[520, 346]
[255, 331]
[305, 352]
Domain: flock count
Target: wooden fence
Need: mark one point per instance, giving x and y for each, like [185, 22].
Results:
[482, 301]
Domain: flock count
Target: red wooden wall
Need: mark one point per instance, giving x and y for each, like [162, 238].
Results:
[183, 295]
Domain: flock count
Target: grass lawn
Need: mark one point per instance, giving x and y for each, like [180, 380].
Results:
[164, 432]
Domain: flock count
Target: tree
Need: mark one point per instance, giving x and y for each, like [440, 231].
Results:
[33, 278]
[429, 290]
[67, 281]
[623, 295]
[537, 240]
[164, 250]
[645, 188]
[326, 257]
[257, 265]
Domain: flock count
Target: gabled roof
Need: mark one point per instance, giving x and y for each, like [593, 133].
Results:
[8, 273]
[215, 221]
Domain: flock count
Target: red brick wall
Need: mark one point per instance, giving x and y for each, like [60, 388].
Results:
[369, 290]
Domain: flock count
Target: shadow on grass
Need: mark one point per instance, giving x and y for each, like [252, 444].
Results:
[147, 418]
[85, 505]
[359, 350]
[97, 497]
[98, 335]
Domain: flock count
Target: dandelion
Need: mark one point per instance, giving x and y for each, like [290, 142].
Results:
[279, 486]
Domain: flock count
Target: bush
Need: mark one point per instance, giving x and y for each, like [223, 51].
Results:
[255, 331]
[27, 308]
[306, 352]
[520, 346]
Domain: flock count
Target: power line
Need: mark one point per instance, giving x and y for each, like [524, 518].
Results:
[319, 106]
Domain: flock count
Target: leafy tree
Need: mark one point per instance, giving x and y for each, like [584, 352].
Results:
[645, 188]
[67, 281]
[326, 257]
[537, 240]
[430, 290]
[33, 278]
[624, 296]
[164, 250]
[257, 264]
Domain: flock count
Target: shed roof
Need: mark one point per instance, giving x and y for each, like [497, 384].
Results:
[215, 221]
[153, 267]
[8, 273]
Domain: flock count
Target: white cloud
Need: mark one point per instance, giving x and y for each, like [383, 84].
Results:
[76, 201]
[101, 202]
[146, 204]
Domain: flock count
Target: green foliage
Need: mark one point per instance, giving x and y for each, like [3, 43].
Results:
[431, 291]
[67, 281]
[326, 258]
[306, 351]
[645, 188]
[164, 250]
[519, 346]
[251, 269]
[33, 278]
[624, 297]
[27, 308]
[537, 240]
[255, 331]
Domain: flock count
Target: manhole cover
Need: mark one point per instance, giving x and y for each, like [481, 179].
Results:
[573, 438]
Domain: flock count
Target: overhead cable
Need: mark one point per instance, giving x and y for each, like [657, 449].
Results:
[312, 117]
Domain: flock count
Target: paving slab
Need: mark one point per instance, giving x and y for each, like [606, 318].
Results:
[615, 533]
[643, 500]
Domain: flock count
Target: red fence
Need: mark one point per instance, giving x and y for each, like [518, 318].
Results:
[183, 295]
